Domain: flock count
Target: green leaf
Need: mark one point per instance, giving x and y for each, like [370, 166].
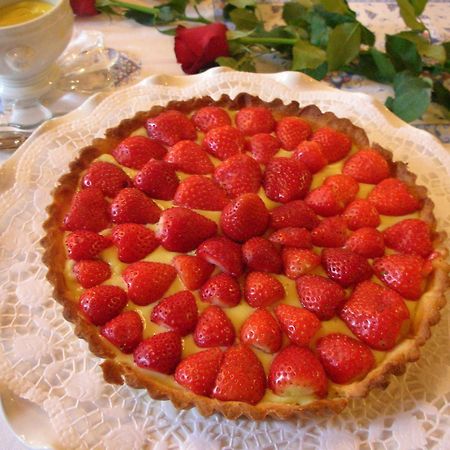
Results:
[307, 56]
[237, 34]
[343, 44]
[178, 5]
[441, 94]
[242, 3]
[333, 19]
[168, 31]
[244, 19]
[336, 6]
[140, 17]
[319, 31]
[424, 47]
[227, 61]
[367, 37]
[295, 14]
[385, 68]
[403, 54]
[419, 6]
[446, 45]
[408, 14]
[318, 73]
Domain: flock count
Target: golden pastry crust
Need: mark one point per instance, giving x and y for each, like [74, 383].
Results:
[115, 371]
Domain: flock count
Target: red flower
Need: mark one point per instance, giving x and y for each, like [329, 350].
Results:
[83, 7]
[197, 48]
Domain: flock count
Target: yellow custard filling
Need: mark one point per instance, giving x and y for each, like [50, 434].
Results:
[24, 11]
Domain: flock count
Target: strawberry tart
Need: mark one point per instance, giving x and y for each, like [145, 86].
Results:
[249, 258]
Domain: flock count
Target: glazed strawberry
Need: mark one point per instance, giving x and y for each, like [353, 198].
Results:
[222, 290]
[296, 372]
[324, 201]
[241, 377]
[263, 147]
[90, 273]
[148, 281]
[345, 267]
[223, 253]
[375, 314]
[124, 331]
[85, 244]
[131, 205]
[262, 289]
[344, 359]
[404, 274]
[261, 331]
[299, 261]
[244, 217]
[107, 177]
[392, 197]
[214, 329]
[361, 213]
[133, 241]
[136, 151]
[238, 174]
[189, 157]
[293, 214]
[291, 131]
[198, 372]
[410, 236]
[286, 179]
[161, 352]
[255, 119]
[210, 117]
[200, 192]
[320, 295]
[344, 186]
[223, 142]
[178, 312]
[292, 237]
[157, 179]
[331, 232]
[335, 145]
[102, 303]
[182, 230]
[367, 242]
[88, 211]
[170, 127]
[367, 166]
[299, 324]
[261, 255]
[192, 270]
[311, 155]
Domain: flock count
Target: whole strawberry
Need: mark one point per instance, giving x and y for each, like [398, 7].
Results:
[291, 131]
[255, 119]
[262, 289]
[311, 155]
[324, 201]
[367, 166]
[107, 177]
[189, 157]
[292, 237]
[214, 329]
[85, 245]
[261, 255]
[361, 213]
[293, 214]
[90, 273]
[210, 117]
[344, 186]
[131, 205]
[223, 142]
[169, 127]
[367, 242]
[335, 144]
[223, 253]
[192, 270]
[331, 232]
[136, 151]
[222, 290]
[263, 147]
[299, 261]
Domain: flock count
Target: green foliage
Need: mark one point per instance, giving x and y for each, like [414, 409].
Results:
[343, 44]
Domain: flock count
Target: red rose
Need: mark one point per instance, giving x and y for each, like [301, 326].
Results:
[83, 7]
[197, 48]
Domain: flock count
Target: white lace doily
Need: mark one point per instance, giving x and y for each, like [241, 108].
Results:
[42, 360]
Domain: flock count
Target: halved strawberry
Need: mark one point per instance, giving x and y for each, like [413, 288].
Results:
[157, 179]
[344, 359]
[214, 329]
[244, 217]
[299, 261]
[367, 242]
[263, 147]
[148, 281]
[261, 255]
[291, 131]
[335, 144]
[90, 273]
[102, 303]
[367, 166]
[345, 267]
[223, 253]
[161, 352]
[223, 142]
[198, 372]
[361, 213]
[200, 192]
[238, 174]
[331, 232]
[210, 117]
[88, 211]
[299, 324]
[131, 205]
[311, 155]
[295, 372]
[133, 241]
[255, 119]
[375, 314]
[222, 290]
[320, 295]
[392, 197]
[324, 201]
[344, 186]
[241, 377]
[189, 157]
[293, 214]
[124, 331]
[182, 230]
[136, 151]
[107, 177]
[169, 127]
[410, 236]
[85, 244]
[262, 289]
[286, 179]
[192, 270]
[292, 237]
[178, 312]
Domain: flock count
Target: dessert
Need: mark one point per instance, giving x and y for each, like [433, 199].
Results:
[247, 258]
